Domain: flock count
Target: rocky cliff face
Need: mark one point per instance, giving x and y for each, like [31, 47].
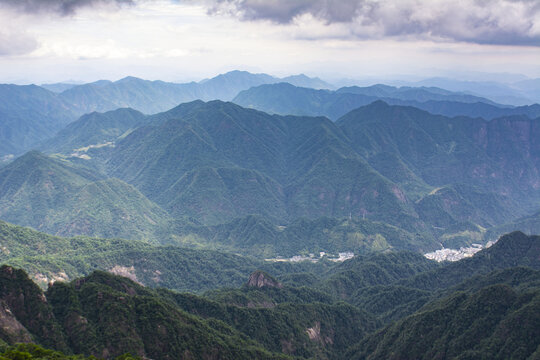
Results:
[261, 279]
[11, 330]
[25, 311]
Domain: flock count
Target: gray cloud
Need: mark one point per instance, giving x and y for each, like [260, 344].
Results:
[61, 7]
[283, 11]
[504, 22]
[16, 43]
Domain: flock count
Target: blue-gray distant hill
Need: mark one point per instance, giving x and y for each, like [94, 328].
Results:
[151, 97]
[287, 99]
[29, 115]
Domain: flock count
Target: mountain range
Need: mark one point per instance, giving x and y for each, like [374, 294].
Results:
[287, 99]
[435, 180]
[31, 114]
[247, 216]
[370, 307]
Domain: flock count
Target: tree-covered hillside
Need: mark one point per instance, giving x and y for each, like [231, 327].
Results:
[394, 305]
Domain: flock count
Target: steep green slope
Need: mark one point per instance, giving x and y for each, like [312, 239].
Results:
[94, 129]
[23, 304]
[527, 224]
[472, 164]
[450, 178]
[223, 161]
[58, 197]
[344, 280]
[455, 204]
[494, 322]
[514, 249]
[306, 330]
[34, 183]
[392, 286]
[430, 309]
[47, 258]
[216, 195]
[107, 316]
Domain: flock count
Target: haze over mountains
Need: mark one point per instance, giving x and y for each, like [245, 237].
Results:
[288, 99]
[132, 191]
[25, 123]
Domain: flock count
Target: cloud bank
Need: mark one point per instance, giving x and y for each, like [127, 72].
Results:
[499, 22]
[60, 7]
[14, 43]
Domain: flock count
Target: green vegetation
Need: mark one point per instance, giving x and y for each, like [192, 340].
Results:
[48, 258]
[94, 129]
[61, 198]
[494, 322]
[225, 162]
[217, 176]
[391, 305]
[260, 237]
[36, 352]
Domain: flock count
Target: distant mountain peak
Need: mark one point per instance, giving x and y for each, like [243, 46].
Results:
[128, 79]
[33, 156]
[378, 104]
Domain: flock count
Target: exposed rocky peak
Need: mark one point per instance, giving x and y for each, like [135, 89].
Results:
[26, 311]
[261, 279]
[11, 330]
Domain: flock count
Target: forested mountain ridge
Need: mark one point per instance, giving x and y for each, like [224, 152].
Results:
[260, 161]
[58, 197]
[209, 165]
[106, 315]
[31, 114]
[474, 172]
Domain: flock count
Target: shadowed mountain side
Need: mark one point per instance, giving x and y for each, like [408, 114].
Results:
[494, 322]
[514, 249]
[215, 161]
[28, 115]
[107, 316]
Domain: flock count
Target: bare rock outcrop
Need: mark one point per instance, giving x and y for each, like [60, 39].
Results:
[261, 279]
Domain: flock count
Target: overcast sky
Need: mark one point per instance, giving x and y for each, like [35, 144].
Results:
[179, 40]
